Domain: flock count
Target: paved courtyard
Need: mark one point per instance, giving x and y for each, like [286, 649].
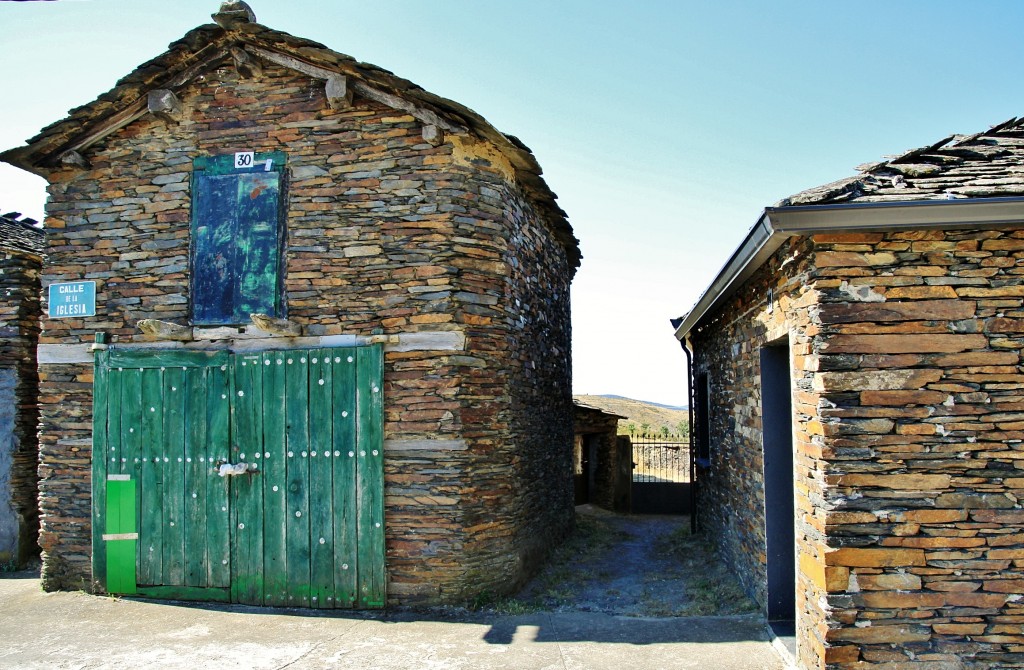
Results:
[76, 630]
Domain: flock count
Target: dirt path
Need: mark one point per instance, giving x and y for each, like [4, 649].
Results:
[634, 565]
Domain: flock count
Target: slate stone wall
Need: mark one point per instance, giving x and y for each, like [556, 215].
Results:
[908, 416]
[19, 330]
[730, 488]
[385, 234]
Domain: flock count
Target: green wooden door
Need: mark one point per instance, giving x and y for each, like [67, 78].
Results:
[304, 526]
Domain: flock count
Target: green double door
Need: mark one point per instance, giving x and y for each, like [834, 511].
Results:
[300, 522]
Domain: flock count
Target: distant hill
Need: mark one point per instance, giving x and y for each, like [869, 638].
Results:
[638, 413]
[646, 402]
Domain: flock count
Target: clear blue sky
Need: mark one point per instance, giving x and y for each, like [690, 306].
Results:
[664, 126]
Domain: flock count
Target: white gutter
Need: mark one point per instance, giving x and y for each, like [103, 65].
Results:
[777, 224]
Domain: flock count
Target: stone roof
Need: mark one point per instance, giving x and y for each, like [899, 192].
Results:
[21, 235]
[582, 407]
[984, 165]
[207, 47]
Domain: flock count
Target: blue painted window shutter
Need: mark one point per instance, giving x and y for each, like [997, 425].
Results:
[237, 238]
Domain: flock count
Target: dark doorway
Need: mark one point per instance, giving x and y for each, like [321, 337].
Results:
[777, 427]
[585, 478]
[590, 464]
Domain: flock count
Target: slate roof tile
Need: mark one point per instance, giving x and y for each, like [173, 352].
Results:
[21, 235]
[982, 165]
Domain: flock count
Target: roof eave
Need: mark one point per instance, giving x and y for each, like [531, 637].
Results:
[777, 224]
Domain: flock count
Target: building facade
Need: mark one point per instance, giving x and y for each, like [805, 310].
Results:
[21, 255]
[857, 391]
[247, 200]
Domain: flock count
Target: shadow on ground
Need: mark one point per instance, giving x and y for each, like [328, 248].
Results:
[586, 628]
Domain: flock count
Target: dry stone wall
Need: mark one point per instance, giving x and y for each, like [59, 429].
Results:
[919, 363]
[19, 330]
[772, 306]
[905, 349]
[386, 234]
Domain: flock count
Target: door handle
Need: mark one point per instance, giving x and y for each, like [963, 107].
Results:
[231, 469]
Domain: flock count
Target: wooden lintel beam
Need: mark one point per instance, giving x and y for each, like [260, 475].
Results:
[163, 104]
[365, 90]
[135, 110]
[396, 102]
[112, 124]
[293, 63]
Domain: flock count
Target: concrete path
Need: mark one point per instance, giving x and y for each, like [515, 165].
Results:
[76, 630]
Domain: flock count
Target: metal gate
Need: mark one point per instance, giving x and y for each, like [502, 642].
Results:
[253, 478]
[661, 477]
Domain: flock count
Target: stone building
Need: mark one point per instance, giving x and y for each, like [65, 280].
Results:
[859, 402]
[21, 255]
[602, 460]
[308, 273]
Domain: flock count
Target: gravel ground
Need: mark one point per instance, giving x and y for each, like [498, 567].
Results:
[633, 565]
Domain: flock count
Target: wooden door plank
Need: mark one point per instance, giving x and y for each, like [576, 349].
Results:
[197, 556]
[129, 400]
[370, 476]
[148, 422]
[321, 505]
[172, 408]
[101, 457]
[299, 455]
[247, 489]
[344, 481]
[272, 463]
[119, 461]
[218, 513]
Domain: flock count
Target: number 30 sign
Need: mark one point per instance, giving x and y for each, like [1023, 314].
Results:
[243, 159]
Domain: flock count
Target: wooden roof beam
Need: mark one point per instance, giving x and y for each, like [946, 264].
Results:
[423, 115]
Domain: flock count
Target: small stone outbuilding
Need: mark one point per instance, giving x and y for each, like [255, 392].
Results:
[21, 256]
[332, 344]
[859, 408]
[602, 460]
